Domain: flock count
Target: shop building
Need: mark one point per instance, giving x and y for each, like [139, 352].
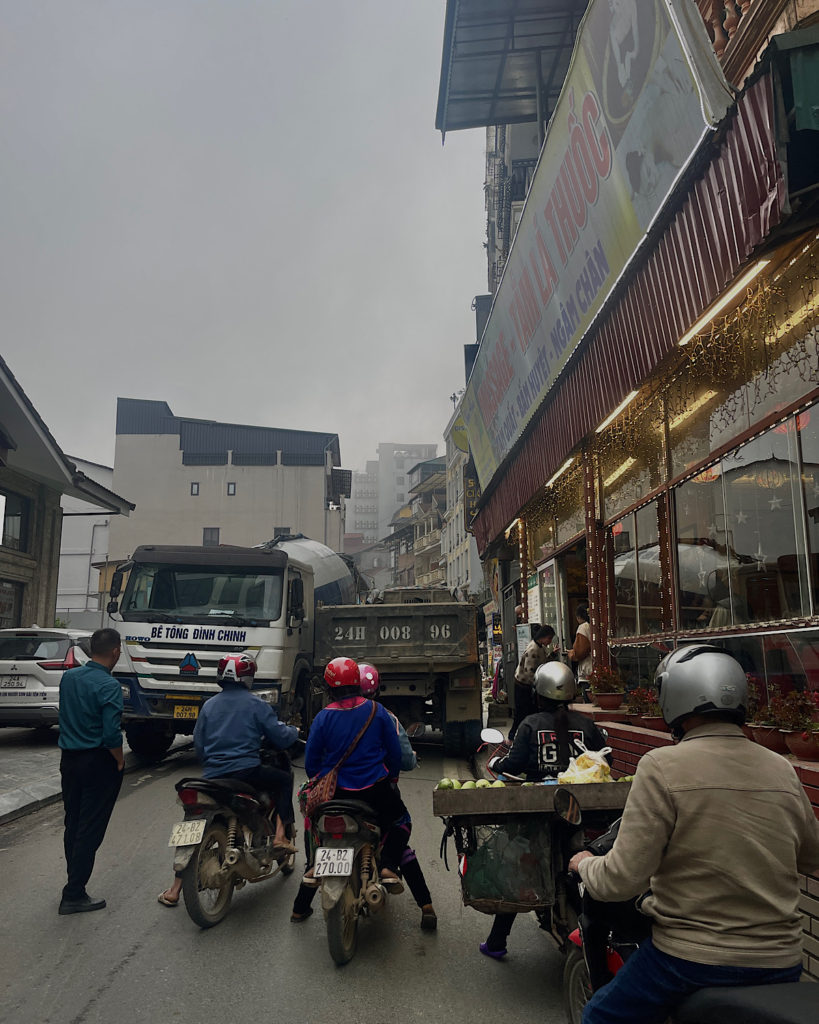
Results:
[644, 408]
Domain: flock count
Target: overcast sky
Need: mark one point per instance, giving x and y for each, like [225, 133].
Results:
[241, 207]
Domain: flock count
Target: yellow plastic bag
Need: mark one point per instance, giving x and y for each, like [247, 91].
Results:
[590, 766]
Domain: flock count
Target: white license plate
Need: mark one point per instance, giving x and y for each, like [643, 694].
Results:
[187, 833]
[13, 682]
[333, 862]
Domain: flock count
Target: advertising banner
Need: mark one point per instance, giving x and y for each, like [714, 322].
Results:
[642, 91]
[472, 494]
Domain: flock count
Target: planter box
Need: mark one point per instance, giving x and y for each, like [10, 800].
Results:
[608, 701]
[801, 748]
[771, 737]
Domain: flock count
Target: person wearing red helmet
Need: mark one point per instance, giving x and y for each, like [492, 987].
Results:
[229, 731]
[367, 771]
[410, 868]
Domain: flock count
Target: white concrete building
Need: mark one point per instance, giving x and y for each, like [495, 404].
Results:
[459, 552]
[362, 508]
[84, 544]
[203, 482]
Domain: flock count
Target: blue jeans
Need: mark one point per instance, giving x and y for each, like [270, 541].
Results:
[651, 984]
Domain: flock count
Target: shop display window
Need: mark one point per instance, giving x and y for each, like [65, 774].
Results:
[637, 663]
[14, 521]
[807, 431]
[636, 546]
[631, 459]
[702, 553]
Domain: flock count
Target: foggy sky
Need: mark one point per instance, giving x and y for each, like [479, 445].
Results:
[241, 207]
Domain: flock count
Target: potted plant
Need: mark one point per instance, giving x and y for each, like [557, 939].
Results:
[794, 713]
[637, 702]
[765, 726]
[608, 688]
[652, 717]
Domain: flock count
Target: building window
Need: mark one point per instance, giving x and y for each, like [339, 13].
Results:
[11, 602]
[399, 480]
[194, 489]
[636, 547]
[210, 536]
[281, 531]
[399, 497]
[231, 489]
[14, 516]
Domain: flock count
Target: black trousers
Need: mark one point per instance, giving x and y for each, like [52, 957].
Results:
[275, 781]
[524, 706]
[90, 784]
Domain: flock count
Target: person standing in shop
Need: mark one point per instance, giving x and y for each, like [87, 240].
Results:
[580, 652]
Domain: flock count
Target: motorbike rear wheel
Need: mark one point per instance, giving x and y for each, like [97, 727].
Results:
[342, 922]
[206, 906]
[577, 990]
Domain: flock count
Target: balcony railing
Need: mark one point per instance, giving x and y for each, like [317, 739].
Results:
[428, 540]
[738, 31]
[429, 579]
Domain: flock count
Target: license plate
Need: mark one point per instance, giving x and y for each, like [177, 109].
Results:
[186, 711]
[12, 682]
[187, 833]
[333, 861]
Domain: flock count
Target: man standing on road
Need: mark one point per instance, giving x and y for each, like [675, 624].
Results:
[91, 764]
[721, 829]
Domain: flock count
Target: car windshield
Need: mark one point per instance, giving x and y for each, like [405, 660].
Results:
[190, 594]
[33, 648]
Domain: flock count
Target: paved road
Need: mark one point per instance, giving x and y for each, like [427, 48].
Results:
[138, 961]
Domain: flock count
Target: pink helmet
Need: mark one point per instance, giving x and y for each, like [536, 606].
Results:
[369, 679]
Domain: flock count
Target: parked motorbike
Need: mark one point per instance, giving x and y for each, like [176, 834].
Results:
[226, 841]
[346, 864]
[588, 966]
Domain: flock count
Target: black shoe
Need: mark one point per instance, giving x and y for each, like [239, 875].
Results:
[81, 906]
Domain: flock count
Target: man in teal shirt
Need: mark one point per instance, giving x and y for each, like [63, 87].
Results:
[91, 764]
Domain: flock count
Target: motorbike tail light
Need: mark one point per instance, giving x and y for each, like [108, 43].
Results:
[189, 797]
[336, 825]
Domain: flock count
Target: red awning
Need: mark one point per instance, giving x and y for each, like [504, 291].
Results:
[730, 209]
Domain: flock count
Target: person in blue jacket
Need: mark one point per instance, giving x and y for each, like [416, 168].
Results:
[229, 732]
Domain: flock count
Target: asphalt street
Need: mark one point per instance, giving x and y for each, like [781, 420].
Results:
[138, 961]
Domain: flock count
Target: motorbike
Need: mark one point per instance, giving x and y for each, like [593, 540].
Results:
[226, 840]
[588, 966]
[346, 839]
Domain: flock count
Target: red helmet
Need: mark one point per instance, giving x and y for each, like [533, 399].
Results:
[341, 672]
[236, 668]
[369, 679]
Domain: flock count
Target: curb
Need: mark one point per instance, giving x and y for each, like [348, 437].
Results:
[19, 802]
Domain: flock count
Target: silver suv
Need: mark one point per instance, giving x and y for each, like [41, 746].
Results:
[32, 662]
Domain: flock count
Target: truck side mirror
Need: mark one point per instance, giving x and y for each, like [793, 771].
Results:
[116, 584]
[296, 599]
[112, 607]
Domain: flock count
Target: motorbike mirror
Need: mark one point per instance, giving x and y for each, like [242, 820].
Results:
[492, 736]
[416, 730]
[567, 808]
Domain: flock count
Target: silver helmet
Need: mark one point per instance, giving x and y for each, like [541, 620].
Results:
[698, 679]
[554, 681]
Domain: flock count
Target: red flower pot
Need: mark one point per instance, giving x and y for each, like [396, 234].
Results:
[656, 722]
[771, 737]
[803, 745]
[608, 701]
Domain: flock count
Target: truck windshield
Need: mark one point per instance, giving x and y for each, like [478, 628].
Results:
[169, 593]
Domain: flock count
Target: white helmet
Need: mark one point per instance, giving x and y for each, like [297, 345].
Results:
[555, 681]
[237, 669]
[698, 679]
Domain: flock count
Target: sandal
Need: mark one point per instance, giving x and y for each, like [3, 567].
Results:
[167, 901]
[298, 918]
[283, 846]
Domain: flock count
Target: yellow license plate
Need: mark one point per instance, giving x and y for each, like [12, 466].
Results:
[186, 711]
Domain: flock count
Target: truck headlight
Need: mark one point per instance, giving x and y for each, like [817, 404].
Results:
[268, 696]
[126, 691]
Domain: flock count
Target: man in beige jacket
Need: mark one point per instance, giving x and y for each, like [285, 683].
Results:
[719, 829]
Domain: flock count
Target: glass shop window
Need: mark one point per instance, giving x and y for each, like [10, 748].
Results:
[14, 519]
[637, 584]
[807, 431]
[702, 552]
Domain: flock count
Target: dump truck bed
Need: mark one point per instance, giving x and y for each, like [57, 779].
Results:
[399, 637]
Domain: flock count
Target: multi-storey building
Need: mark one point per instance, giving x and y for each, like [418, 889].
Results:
[459, 552]
[394, 462]
[362, 508]
[203, 482]
[427, 485]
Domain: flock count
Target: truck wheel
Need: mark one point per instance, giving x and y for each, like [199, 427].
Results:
[309, 703]
[471, 736]
[453, 739]
[149, 741]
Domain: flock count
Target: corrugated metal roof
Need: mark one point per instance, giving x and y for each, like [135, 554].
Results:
[488, 66]
[731, 208]
[207, 442]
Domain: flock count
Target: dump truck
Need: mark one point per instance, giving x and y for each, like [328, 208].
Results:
[424, 643]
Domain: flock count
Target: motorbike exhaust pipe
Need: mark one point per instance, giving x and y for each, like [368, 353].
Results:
[374, 896]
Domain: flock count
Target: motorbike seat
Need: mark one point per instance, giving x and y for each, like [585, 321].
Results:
[357, 808]
[790, 1003]
[223, 785]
